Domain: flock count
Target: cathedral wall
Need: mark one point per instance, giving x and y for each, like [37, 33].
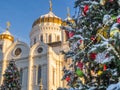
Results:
[6, 45]
[57, 49]
[0, 70]
[1, 58]
[19, 52]
[52, 79]
[23, 65]
[40, 60]
[1, 55]
[55, 70]
[25, 78]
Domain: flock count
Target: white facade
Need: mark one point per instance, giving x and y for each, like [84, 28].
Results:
[42, 59]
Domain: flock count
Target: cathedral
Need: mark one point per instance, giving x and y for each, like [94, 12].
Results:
[40, 63]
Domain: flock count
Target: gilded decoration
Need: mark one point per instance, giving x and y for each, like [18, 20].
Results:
[6, 36]
[47, 19]
[103, 31]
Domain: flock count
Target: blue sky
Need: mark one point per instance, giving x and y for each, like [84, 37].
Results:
[22, 13]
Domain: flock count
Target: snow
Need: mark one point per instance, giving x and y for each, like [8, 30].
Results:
[79, 31]
[111, 87]
[50, 14]
[109, 49]
[78, 36]
[93, 49]
[114, 86]
[66, 28]
[104, 44]
[92, 88]
[95, 3]
[114, 26]
[107, 60]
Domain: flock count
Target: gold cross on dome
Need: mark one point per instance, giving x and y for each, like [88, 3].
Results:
[50, 5]
[8, 25]
[68, 11]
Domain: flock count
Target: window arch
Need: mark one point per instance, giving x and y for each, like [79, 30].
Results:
[50, 38]
[41, 38]
[58, 38]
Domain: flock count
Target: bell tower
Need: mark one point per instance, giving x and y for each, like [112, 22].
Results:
[6, 39]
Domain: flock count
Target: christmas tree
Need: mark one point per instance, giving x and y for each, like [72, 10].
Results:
[94, 40]
[11, 77]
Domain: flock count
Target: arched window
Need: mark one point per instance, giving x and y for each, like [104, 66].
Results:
[0, 47]
[21, 76]
[55, 38]
[41, 38]
[34, 40]
[39, 74]
[58, 38]
[50, 38]
[46, 37]
[53, 76]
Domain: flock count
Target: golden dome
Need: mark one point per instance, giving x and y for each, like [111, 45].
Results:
[50, 17]
[68, 19]
[6, 35]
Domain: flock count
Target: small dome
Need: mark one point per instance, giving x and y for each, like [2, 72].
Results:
[6, 35]
[7, 32]
[67, 19]
[50, 17]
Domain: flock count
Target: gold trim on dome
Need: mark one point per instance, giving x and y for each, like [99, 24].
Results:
[64, 23]
[47, 19]
[6, 36]
[72, 21]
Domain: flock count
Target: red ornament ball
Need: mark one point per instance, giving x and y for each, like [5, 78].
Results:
[104, 67]
[93, 56]
[93, 38]
[67, 79]
[80, 41]
[80, 65]
[111, 0]
[86, 8]
[71, 34]
[118, 20]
